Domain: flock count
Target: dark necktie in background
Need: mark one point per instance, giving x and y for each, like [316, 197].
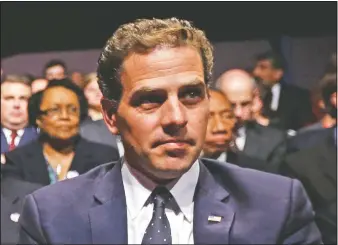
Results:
[13, 137]
[158, 230]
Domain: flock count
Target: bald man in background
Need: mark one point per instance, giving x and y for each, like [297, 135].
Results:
[263, 143]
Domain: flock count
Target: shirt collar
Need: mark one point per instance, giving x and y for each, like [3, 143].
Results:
[275, 88]
[8, 132]
[138, 189]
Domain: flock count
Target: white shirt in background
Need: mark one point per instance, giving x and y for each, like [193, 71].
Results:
[275, 90]
[8, 135]
[241, 137]
[138, 188]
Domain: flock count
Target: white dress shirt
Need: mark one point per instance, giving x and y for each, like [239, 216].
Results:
[138, 188]
[275, 90]
[222, 157]
[8, 135]
[241, 138]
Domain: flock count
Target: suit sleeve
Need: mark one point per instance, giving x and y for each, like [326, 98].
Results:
[30, 230]
[300, 226]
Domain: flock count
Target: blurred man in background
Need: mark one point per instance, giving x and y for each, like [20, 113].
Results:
[260, 142]
[15, 131]
[55, 69]
[289, 104]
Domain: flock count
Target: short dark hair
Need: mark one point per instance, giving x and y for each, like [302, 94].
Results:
[54, 62]
[11, 78]
[276, 58]
[35, 100]
[141, 36]
[328, 86]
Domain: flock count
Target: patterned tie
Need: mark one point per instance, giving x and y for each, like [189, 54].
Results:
[13, 137]
[158, 230]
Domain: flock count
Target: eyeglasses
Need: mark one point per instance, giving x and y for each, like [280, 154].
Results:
[57, 111]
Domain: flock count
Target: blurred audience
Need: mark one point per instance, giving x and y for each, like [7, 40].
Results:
[94, 128]
[311, 137]
[264, 143]
[220, 128]
[55, 69]
[288, 104]
[59, 153]
[77, 78]
[39, 84]
[15, 130]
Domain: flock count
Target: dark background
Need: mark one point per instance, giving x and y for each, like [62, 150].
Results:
[45, 26]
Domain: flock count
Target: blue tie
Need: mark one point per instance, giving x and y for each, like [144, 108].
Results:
[158, 230]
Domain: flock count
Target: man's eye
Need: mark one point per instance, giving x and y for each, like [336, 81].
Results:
[192, 96]
[150, 103]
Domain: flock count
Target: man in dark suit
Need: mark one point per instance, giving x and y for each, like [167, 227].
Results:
[13, 192]
[316, 168]
[160, 193]
[288, 104]
[263, 143]
[15, 92]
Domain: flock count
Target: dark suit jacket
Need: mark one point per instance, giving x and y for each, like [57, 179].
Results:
[13, 192]
[316, 168]
[264, 148]
[97, 131]
[28, 163]
[309, 139]
[28, 135]
[294, 107]
[255, 207]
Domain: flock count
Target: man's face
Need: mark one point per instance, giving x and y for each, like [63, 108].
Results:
[14, 100]
[93, 94]
[241, 98]
[163, 112]
[55, 72]
[220, 125]
[266, 73]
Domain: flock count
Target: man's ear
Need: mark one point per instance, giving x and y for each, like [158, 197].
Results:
[109, 110]
[333, 99]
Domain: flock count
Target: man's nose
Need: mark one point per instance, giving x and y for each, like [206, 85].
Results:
[238, 111]
[174, 115]
[218, 125]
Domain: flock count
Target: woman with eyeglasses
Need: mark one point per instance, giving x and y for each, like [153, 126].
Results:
[60, 152]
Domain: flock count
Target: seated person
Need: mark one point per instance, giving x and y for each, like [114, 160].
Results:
[312, 137]
[253, 139]
[220, 138]
[93, 128]
[59, 152]
[13, 192]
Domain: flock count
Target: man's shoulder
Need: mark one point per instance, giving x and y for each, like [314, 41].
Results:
[274, 133]
[235, 178]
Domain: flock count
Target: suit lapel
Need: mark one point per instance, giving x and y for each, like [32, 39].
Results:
[210, 204]
[82, 157]
[38, 164]
[4, 144]
[28, 135]
[108, 220]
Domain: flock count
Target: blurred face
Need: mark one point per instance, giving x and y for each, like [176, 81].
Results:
[93, 94]
[163, 112]
[39, 85]
[14, 100]
[220, 125]
[61, 113]
[77, 78]
[265, 72]
[241, 98]
[55, 72]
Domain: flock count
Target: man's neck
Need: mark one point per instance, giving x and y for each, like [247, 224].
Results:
[14, 126]
[95, 114]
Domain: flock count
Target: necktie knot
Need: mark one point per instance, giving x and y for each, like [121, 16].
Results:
[161, 197]
[14, 134]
